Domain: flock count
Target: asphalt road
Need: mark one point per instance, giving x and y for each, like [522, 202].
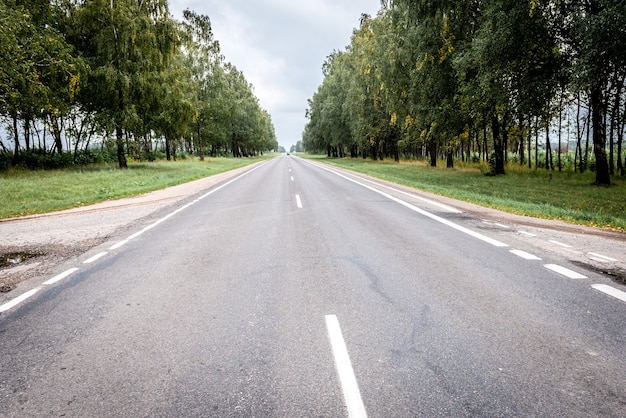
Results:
[298, 291]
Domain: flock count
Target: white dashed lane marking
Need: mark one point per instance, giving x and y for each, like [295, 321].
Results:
[525, 255]
[565, 271]
[560, 243]
[119, 244]
[350, 388]
[601, 258]
[528, 234]
[19, 299]
[94, 258]
[609, 290]
[61, 276]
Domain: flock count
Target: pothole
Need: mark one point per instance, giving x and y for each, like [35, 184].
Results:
[5, 288]
[617, 275]
[14, 258]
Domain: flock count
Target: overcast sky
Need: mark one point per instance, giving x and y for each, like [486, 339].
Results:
[280, 45]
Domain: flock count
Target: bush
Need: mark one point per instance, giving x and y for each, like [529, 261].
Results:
[39, 159]
[5, 161]
[492, 165]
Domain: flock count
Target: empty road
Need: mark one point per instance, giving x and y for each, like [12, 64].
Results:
[296, 290]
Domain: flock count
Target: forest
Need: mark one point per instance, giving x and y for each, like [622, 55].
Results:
[84, 81]
[535, 82]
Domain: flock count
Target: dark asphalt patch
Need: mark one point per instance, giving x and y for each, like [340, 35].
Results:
[617, 275]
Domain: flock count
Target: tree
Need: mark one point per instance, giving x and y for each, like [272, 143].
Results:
[38, 72]
[593, 32]
[203, 59]
[126, 44]
[508, 68]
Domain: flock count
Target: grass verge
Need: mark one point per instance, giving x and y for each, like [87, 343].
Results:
[24, 192]
[567, 196]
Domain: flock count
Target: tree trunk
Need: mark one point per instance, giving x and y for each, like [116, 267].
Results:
[530, 134]
[168, 153]
[548, 146]
[578, 157]
[27, 133]
[119, 140]
[56, 133]
[200, 142]
[620, 140]
[558, 156]
[485, 146]
[497, 146]
[598, 112]
[620, 166]
[16, 139]
[536, 143]
[588, 133]
[432, 151]
[521, 141]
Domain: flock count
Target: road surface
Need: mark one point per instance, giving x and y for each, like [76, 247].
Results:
[296, 290]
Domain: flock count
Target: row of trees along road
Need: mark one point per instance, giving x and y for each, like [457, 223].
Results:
[447, 78]
[87, 70]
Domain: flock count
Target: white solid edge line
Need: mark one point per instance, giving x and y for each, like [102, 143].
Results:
[525, 255]
[232, 181]
[349, 386]
[19, 299]
[421, 211]
[60, 276]
[611, 291]
[298, 201]
[565, 271]
[94, 258]
[423, 199]
[166, 217]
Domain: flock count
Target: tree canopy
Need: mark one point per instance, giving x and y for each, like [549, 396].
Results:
[124, 75]
[443, 79]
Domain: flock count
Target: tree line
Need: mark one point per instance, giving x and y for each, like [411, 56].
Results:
[456, 78]
[125, 74]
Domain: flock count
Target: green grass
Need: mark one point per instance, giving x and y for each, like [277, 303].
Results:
[24, 192]
[567, 196]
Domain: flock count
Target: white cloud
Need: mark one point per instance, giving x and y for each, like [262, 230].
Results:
[280, 45]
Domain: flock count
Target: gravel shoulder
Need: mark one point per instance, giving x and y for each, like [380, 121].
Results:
[32, 246]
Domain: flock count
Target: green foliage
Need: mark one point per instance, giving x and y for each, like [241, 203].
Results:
[120, 69]
[49, 190]
[448, 79]
[37, 159]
